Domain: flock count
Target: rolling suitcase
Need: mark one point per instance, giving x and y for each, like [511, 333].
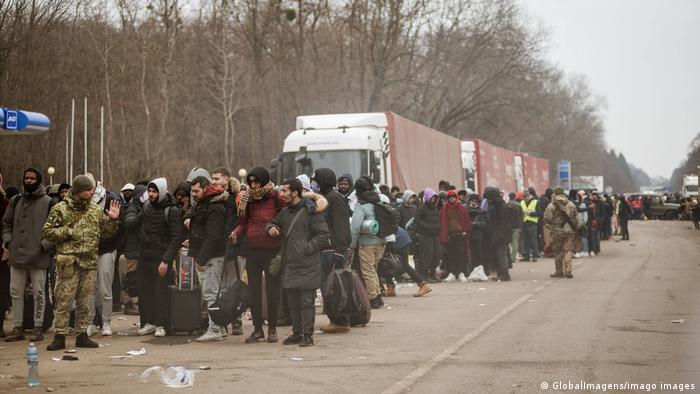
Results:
[185, 299]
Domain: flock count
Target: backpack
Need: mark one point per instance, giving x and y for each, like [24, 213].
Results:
[231, 303]
[388, 217]
[339, 295]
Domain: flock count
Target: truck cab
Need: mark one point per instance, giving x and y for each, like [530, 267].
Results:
[690, 186]
[355, 144]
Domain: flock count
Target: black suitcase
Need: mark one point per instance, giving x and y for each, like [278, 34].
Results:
[185, 299]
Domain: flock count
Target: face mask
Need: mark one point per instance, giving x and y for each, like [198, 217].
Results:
[315, 187]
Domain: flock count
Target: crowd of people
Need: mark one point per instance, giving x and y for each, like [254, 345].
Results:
[65, 244]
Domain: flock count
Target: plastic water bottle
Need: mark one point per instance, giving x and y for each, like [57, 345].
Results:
[32, 366]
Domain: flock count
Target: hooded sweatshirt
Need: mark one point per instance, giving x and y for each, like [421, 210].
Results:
[364, 210]
[160, 237]
[428, 216]
[406, 210]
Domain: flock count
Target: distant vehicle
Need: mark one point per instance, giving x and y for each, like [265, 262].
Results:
[690, 186]
[655, 207]
[589, 182]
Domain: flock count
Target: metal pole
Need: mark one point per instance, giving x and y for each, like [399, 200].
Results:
[72, 138]
[102, 142]
[67, 153]
[85, 142]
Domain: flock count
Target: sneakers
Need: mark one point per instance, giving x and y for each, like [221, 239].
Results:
[59, 342]
[160, 332]
[293, 340]
[450, 278]
[131, 309]
[374, 303]
[16, 335]
[147, 329]
[237, 328]
[335, 329]
[583, 254]
[307, 341]
[462, 278]
[84, 341]
[592, 254]
[576, 255]
[256, 336]
[106, 330]
[390, 291]
[37, 335]
[91, 330]
[423, 289]
[272, 335]
[210, 336]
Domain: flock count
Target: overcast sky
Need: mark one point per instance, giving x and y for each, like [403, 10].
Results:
[643, 56]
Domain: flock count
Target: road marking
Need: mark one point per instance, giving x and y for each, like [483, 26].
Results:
[409, 380]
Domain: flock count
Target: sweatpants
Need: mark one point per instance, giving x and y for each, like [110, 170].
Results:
[328, 264]
[154, 297]
[103, 287]
[18, 282]
[369, 261]
[303, 310]
[457, 255]
[257, 262]
[530, 241]
[209, 281]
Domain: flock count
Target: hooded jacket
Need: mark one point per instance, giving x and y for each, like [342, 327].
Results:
[462, 217]
[406, 210]
[364, 210]
[22, 227]
[132, 225]
[428, 216]
[302, 261]
[76, 227]
[337, 215]
[208, 225]
[498, 226]
[160, 237]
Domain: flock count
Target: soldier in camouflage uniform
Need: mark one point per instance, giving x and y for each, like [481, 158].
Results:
[562, 217]
[76, 225]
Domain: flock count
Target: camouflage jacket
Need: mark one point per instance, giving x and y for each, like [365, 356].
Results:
[76, 228]
[554, 216]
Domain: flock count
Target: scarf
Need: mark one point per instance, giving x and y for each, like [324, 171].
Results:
[257, 194]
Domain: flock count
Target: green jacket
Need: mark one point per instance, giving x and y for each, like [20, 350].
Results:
[76, 228]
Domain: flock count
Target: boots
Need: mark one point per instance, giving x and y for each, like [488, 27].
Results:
[59, 342]
[84, 341]
[17, 334]
[557, 274]
[37, 335]
[423, 289]
[390, 291]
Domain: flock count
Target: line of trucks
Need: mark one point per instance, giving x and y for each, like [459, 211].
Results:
[396, 151]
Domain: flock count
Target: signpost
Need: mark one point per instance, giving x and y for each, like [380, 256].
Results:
[564, 170]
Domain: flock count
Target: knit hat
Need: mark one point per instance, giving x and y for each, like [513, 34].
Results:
[558, 190]
[305, 182]
[261, 174]
[81, 183]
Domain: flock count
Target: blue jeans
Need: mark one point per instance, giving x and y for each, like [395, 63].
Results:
[209, 281]
[530, 242]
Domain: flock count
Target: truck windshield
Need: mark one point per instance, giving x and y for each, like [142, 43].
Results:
[691, 188]
[352, 162]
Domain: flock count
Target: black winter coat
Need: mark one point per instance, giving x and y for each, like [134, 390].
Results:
[132, 227]
[337, 217]
[498, 224]
[427, 221]
[160, 238]
[108, 245]
[407, 213]
[208, 229]
[302, 261]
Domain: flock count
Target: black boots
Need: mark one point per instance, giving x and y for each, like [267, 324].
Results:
[84, 341]
[59, 342]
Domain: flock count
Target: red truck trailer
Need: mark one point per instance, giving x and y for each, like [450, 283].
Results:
[535, 172]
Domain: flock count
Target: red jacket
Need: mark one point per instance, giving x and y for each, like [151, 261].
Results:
[464, 220]
[257, 215]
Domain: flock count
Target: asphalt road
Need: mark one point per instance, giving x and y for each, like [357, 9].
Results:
[611, 324]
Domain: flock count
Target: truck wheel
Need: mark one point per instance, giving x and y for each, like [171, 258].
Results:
[671, 215]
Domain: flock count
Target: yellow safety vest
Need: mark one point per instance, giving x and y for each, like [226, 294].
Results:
[531, 207]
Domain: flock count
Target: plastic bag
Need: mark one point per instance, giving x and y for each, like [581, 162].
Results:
[478, 275]
[173, 377]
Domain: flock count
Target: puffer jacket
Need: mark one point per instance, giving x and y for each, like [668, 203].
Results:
[302, 261]
[364, 210]
[498, 226]
[22, 229]
[76, 227]
[208, 226]
[160, 237]
[407, 211]
[132, 225]
[428, 216]
[258, 215]
[337, 215]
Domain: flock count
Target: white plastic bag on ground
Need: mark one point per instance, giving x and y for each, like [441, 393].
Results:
[173, 377]
[478, 275]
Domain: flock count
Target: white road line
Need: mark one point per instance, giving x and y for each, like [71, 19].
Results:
[408, 381]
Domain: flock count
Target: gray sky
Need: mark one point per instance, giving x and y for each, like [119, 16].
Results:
[643, 57]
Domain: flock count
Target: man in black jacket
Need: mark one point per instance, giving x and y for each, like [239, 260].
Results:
[499, 229]
[208, 243]
[304, 233]
[132, 248]
[428, 229]
[160, 236]
[337, 217]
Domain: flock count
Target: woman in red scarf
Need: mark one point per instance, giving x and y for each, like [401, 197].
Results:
[455, 225]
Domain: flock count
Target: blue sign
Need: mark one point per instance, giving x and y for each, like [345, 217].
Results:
[13, 121]
[564, 167]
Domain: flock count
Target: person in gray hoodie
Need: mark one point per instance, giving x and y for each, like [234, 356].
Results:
[29, 251]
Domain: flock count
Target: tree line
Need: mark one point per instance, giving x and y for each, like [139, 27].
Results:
[220, 82]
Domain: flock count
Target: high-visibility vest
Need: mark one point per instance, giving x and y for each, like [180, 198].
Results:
[529, 207]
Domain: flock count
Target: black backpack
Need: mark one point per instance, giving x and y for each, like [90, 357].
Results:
[231, 303]
[388, 217]
[339, 295]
